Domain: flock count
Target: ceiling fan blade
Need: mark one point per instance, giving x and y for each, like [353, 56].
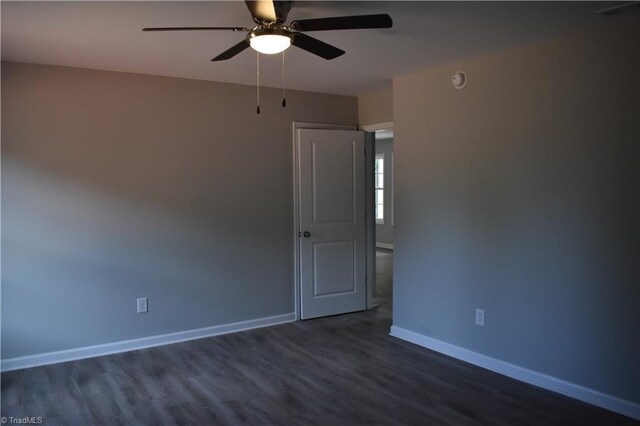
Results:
[343, 23]
[232, 51]
[316, 46]
[195, 29]
[282, 9]
[262, 10]
[269, 10]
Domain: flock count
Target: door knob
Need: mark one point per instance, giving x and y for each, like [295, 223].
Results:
[306, 234]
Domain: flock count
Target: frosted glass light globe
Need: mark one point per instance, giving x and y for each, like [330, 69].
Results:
[270, 43]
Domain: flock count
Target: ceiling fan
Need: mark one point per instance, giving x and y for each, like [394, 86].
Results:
[270, 35]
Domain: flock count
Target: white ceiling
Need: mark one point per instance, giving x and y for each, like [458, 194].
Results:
[108, 36]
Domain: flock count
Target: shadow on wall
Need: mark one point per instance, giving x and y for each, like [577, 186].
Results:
[77, 258]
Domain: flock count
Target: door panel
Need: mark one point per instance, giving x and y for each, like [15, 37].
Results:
[333, 271]
[332, 255]
[332, 180]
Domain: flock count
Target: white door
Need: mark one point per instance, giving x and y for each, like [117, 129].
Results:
[332, 222]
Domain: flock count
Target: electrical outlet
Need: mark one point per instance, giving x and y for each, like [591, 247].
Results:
[143, 305]
[480, 317]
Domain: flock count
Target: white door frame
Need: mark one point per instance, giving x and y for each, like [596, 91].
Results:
[370, 243]
[378, 126]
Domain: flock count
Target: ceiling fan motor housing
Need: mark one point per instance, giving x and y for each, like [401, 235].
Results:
[268, 31]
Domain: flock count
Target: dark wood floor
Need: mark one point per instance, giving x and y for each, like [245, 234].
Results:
[333, 371]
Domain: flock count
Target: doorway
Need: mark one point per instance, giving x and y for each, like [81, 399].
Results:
[324, 294]
[384, 216]
[383, 200]
[330, 221]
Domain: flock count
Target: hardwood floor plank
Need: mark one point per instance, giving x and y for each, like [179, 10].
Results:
[12, 388]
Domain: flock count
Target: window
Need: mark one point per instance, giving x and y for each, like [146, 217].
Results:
[379, 188]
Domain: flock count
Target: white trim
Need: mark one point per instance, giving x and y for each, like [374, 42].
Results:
[591, 396]
[379, 156]
[384, 245]
[141, 343]
[388, 125]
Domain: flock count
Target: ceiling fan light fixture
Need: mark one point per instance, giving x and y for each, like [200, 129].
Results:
[269, 41]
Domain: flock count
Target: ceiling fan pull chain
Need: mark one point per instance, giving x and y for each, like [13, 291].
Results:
[258, 81]
[284, 100]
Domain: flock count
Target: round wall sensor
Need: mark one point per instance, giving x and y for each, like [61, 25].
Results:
[459, 79]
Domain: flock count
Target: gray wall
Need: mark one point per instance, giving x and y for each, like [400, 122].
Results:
[375, 107]
[117, 186]
[519, 194]
[384, 232]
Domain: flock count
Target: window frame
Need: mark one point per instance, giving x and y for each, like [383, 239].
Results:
[378, 156]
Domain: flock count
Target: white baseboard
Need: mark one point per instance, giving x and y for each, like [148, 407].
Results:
[141, 343]
[551, 383]
[385, 246]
